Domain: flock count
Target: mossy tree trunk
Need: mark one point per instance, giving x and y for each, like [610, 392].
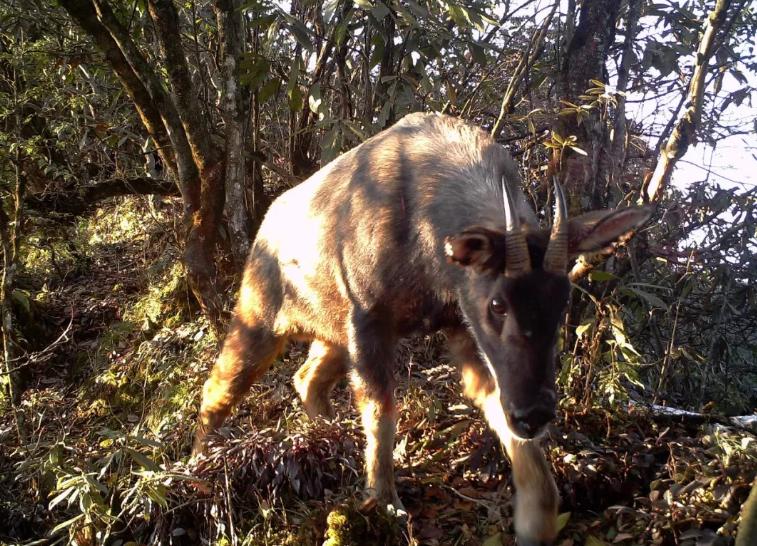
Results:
[176, 123]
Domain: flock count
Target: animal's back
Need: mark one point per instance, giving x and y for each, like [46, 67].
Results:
[370, 225]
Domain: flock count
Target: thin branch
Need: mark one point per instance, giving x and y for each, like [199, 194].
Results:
[684, 132]
[84, 13]
[527, 58]
[84, 197]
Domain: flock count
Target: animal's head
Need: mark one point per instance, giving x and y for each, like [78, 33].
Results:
[516, 294]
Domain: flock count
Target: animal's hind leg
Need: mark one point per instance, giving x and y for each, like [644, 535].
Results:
[536, 498]
[314, 381]
[248, 351]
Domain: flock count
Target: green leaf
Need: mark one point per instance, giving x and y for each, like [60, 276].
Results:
[650, 298]
[60, 498]
[583, 328]
[299, 30]
[294, 74]
[578, 150]
[377, 53]
[599, 275]
[330, 145]
[562, 521]
[380, 11]
[146, 441]
[253, 71]
[144, 462]
[270, 88]
[314, 99]
[341, 31]
[478, 53]
[418, 11]
[295, 99]
[61, 526]
[329, 8]
[459, 15]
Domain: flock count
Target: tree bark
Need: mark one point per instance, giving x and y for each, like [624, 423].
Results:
[185, 168]
[203, 232]
[231, 38]
[585, 61]
[619, 135]
[10, 229]
[166, 18]
[258, 197]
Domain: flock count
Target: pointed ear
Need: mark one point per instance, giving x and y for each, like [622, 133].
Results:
[476, 246]
[595, 231]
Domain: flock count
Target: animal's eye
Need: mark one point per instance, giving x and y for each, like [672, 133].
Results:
[498, 307]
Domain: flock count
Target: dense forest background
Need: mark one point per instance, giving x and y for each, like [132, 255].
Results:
[141, 142]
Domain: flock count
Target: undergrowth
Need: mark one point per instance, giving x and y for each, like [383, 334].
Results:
[109, 416]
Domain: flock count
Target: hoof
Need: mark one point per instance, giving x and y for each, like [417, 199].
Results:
[393, 506]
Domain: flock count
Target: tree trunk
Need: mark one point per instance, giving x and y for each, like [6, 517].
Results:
[84, 197]
[619, 137]
[583, 175]
[257, 194]
[231, 38]
[585, 61]
[10, 229]
[176, 124]
[85, 15]
[199, 253]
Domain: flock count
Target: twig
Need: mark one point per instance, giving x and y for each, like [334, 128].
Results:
[38, 356]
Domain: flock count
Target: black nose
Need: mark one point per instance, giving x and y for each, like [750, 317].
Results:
[530, 422]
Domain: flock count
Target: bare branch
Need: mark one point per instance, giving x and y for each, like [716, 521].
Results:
[84, 13]
[684, 132]
[85, 197]
[527, 58]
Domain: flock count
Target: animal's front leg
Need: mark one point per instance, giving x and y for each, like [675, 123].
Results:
[536, 497]
[378, 415]
[373, 384]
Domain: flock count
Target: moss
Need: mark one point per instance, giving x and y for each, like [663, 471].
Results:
[338, 528]
[167, 301]
[347, 526]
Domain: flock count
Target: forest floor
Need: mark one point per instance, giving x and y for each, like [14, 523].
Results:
[107, 417]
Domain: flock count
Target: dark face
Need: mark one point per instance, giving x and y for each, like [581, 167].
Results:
[515, 322]
[515, 314]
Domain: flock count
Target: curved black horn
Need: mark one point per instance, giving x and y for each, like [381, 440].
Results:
[556, 257]
[517, 260]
